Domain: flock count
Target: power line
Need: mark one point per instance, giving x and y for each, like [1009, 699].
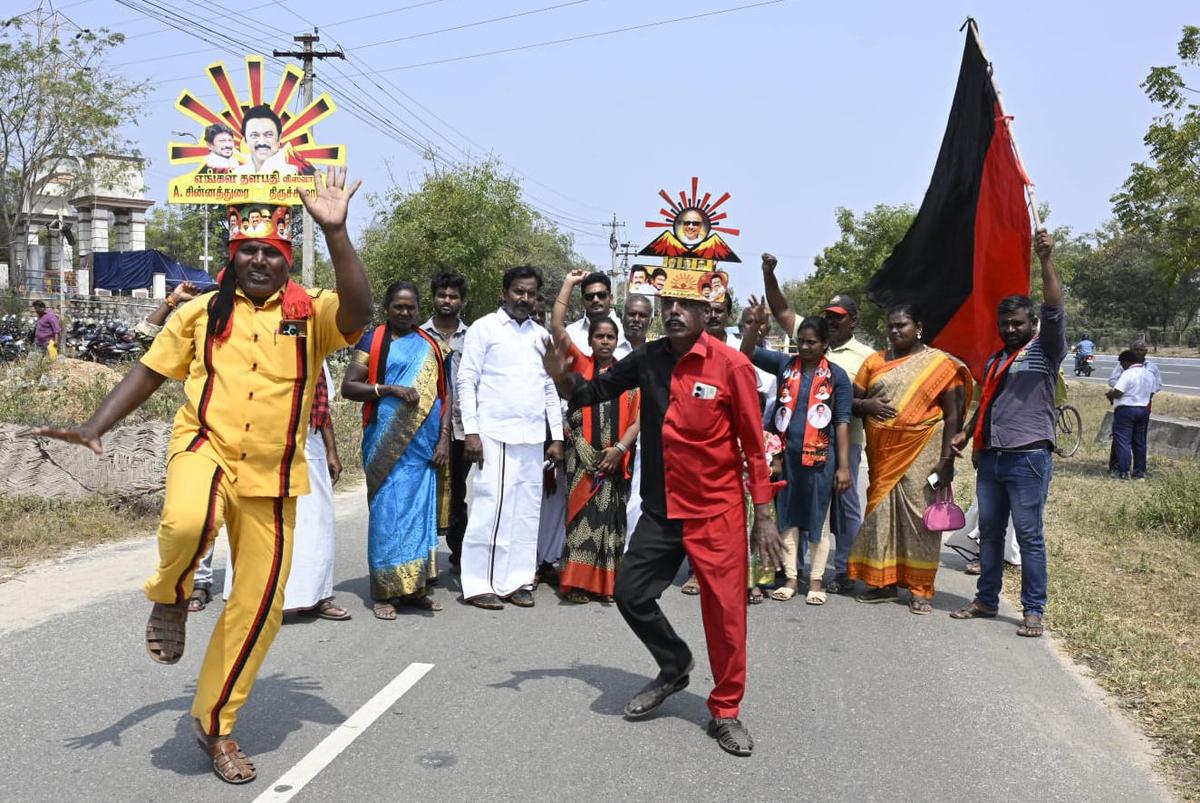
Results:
[475, 24]
[382, 13]
[361, 105]
[582, 37]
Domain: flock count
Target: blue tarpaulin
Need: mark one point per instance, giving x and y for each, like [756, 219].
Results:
[129, 270]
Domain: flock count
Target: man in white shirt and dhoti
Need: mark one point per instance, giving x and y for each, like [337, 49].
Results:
[507, 400]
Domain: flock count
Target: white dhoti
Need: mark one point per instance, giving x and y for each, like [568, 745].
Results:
[499, 552]
[552, 520]
[966, 541]
[311, 578]
[633, 508]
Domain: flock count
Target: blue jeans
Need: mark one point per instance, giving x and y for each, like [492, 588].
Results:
[852, 515]
[1013, 483]
[1129, 439]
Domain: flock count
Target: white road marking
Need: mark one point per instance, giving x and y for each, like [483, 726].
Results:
[1184, 387]
[342, 737]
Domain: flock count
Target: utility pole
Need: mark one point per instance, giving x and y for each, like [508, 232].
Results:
[613, 243]
[207, 259]
[306, 56]
[627, 250]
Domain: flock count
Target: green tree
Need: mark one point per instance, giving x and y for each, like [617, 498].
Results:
[1161, 197]
[61, 105]
[178, 231]
[846, 266]
[1101, 282]
[470, 220]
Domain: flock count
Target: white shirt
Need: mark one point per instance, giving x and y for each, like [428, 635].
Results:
[1152, 367]
[578, 332]
[455, 344]
[275, 163]
[504, 391]
[1136, 385]
[766, 381]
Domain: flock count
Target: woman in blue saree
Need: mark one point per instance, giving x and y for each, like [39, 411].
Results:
[398, 374]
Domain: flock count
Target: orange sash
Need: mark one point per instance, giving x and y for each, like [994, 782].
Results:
[816, 438]
[991, 383]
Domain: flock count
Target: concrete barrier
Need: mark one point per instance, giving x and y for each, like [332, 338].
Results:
[1167, 437]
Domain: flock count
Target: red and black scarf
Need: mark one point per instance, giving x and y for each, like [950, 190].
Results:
[816, 439]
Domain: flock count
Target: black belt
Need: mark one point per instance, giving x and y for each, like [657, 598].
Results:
[1036, 446]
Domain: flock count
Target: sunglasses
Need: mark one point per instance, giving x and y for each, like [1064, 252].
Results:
[688, 224]
[598, 296]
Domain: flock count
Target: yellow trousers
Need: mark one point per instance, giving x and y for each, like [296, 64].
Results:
[199, 498]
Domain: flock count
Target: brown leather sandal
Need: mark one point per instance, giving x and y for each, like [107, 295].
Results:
[229, 762]
[166, 632]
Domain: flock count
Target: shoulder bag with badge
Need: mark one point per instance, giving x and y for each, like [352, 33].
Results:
[818, 416]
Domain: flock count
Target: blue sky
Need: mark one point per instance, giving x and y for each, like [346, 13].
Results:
[794, 108]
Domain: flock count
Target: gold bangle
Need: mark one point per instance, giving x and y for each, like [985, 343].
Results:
[560, 301]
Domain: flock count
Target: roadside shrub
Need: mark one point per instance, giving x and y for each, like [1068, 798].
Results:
[1174, 506]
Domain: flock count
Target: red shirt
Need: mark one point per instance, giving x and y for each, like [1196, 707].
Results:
[700, 417]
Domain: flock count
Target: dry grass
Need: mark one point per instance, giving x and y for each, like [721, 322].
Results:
[64, 392]
[1124, 594]
[39, 529]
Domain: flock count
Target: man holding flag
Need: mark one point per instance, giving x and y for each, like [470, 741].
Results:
[967, 249]
[1012, 436]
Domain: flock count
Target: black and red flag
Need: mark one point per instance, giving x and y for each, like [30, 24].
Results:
[969, 245]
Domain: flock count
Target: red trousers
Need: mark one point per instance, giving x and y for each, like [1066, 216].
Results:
[716, 548]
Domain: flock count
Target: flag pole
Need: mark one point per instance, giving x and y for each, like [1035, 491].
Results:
[1037, 218]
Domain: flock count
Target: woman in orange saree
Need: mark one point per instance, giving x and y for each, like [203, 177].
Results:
[912, 398]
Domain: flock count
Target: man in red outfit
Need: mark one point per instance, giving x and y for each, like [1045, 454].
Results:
[700, 416]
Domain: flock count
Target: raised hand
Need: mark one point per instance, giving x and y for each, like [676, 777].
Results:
[575, 277]
[555, 361]
[769, 262]
[760, 314]
[185, 292]
[330, 204]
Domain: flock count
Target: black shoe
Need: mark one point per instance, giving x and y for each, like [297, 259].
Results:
[522, 598]
[840, 584]
[489, 602]
[731, 735]
[655, 693]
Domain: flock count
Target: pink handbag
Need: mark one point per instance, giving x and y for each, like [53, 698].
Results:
[943, 515]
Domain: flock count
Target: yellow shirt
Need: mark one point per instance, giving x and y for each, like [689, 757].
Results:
[249, 398]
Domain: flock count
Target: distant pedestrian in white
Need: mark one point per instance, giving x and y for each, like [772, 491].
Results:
[507, 402]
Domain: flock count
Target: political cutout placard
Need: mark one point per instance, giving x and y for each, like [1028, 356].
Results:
[690, 248]
[251, 149]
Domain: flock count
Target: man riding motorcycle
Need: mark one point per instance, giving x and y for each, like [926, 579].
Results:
[1085, 349]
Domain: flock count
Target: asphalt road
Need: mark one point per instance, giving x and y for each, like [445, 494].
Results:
[846, 702]
[1179, 374]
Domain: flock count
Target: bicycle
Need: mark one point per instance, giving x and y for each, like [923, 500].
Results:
[1068, 426]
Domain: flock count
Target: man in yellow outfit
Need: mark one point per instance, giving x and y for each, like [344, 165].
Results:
[249, 354]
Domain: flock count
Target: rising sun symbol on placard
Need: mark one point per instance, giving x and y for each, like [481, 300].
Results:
[691, 227]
